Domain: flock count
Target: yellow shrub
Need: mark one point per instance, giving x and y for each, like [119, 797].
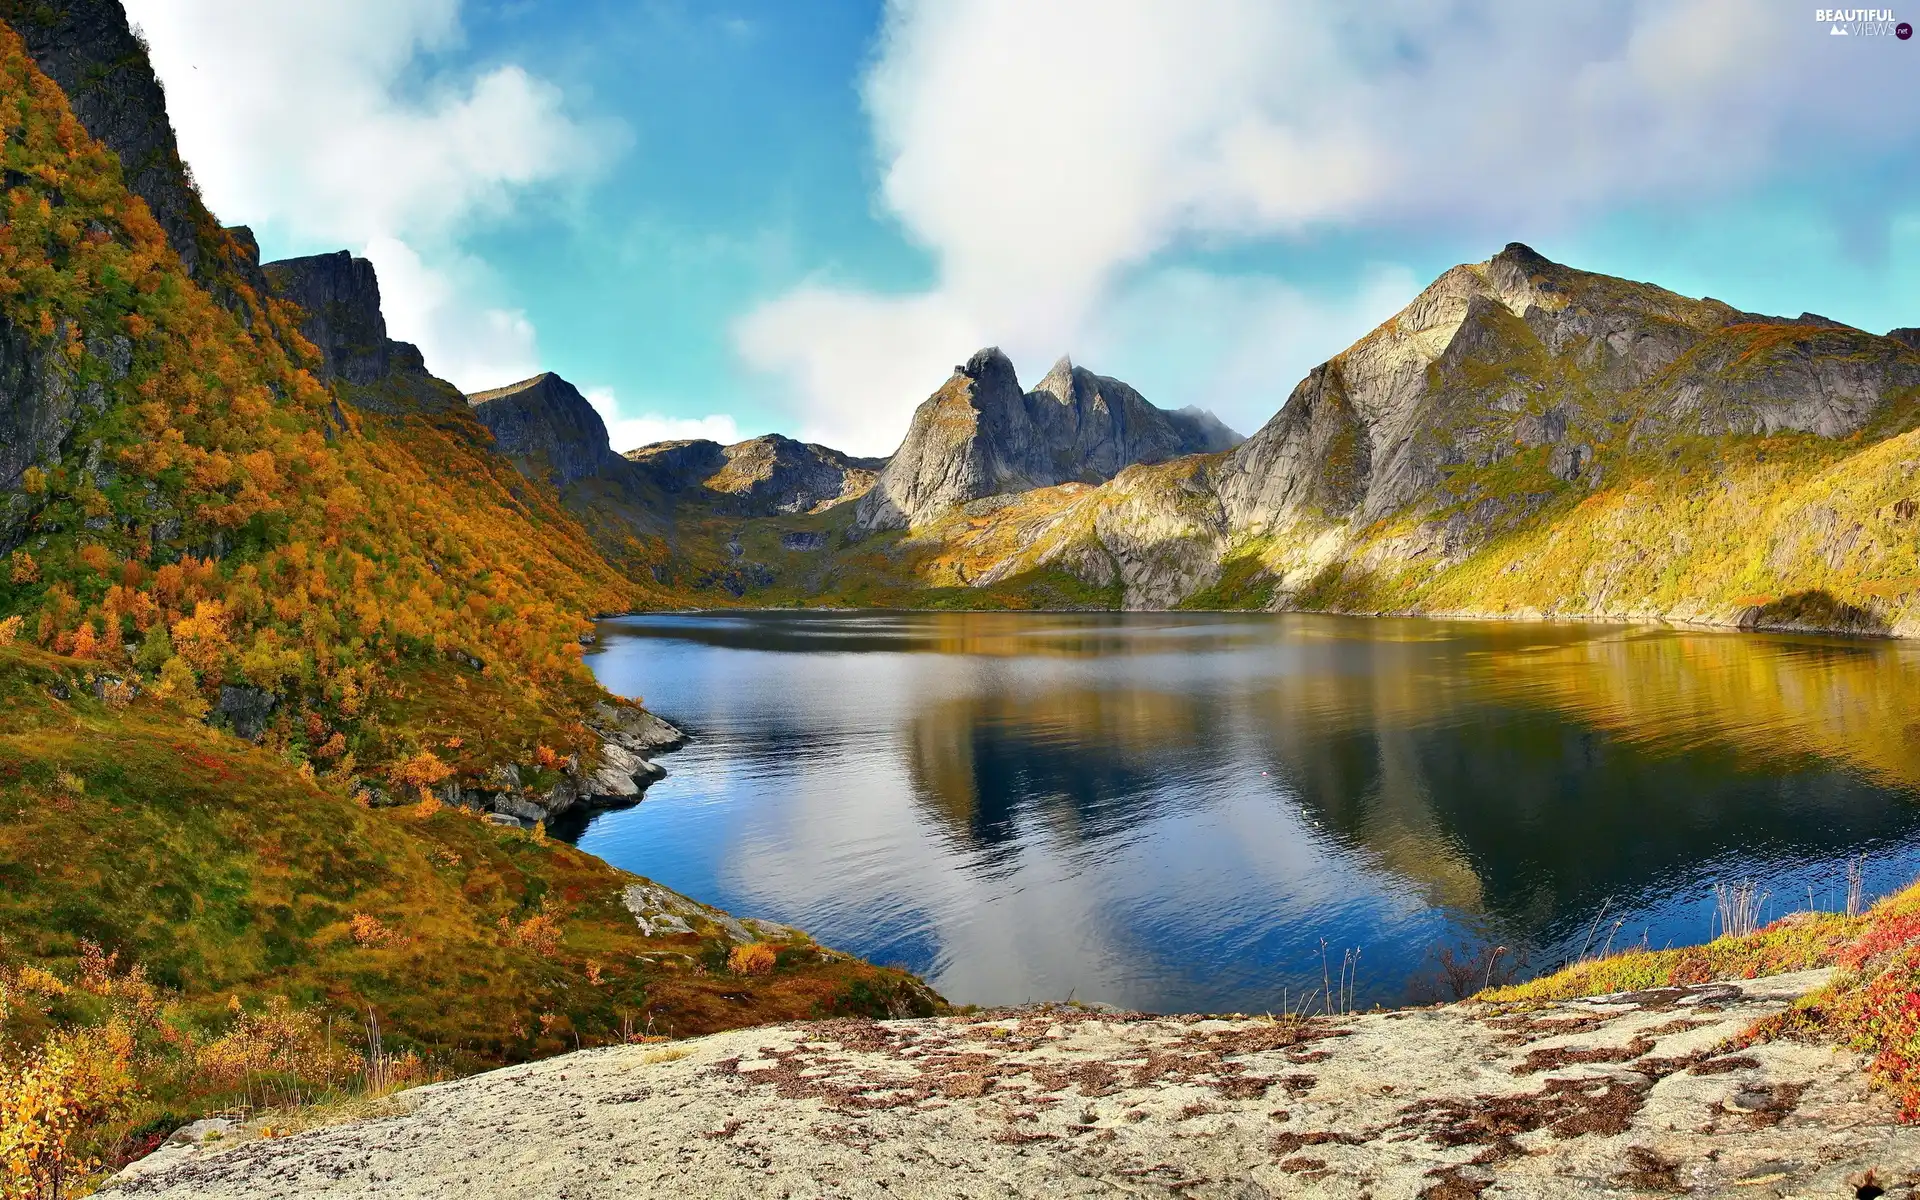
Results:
[10, 630]
[37, 981]
[368, 930]
[281, 1040]
[51, 1098]
[754, 958]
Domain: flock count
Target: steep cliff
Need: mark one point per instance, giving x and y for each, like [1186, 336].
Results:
[90, 50]
[545, 421]
[980, 435]
[553, 435]
[339, 300]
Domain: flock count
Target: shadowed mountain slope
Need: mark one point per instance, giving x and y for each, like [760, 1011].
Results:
[761, 476]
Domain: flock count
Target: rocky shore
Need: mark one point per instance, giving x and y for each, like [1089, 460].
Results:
[618, 775]
[1634, 1094]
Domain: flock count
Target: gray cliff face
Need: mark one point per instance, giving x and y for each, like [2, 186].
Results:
[773, 474]
[980, 435]
[679, 466]
[46, 401]
[87, 47]
[546, 423]
[339, 296]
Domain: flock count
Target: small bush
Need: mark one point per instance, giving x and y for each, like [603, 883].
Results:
[754, 958]
[368, 930]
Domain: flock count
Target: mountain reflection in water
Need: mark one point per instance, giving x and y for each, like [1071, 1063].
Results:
[1173, 811]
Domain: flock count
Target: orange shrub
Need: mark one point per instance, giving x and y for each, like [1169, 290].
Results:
[368, 930]
[754, 958]
[281, 1040]
[539, 933]
[420, 772]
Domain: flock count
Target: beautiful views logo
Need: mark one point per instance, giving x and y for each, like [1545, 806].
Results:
[1862, 22]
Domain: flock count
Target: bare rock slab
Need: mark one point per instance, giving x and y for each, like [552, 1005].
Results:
[1624, 1095]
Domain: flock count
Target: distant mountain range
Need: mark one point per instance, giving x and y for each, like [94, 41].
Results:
[1523, 439]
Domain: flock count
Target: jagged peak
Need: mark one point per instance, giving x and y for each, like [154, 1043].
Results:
[1059, 382]
[987, 361]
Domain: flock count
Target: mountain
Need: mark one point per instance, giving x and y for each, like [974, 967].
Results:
[761, 476]
[90, 51]
[980, 435]
[545, 423]
[338, 296]
[1525, 438]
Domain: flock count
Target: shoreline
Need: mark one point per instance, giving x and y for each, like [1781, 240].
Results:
[1676, 623]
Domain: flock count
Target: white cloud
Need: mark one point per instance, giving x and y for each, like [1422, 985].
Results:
[1050, 152]
[856, 358]
[314, 123]
[472, 347]
[629, 433]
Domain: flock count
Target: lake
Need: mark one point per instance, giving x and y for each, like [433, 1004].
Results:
[1215, 812]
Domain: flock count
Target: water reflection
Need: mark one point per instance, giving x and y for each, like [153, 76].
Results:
[1172, 811]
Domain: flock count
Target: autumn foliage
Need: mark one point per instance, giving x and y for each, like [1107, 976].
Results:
[227, 519]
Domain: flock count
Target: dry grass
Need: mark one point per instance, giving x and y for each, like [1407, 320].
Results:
[1872, 1004]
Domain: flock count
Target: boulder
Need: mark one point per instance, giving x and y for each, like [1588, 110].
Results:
[636, 729]
[245, 710]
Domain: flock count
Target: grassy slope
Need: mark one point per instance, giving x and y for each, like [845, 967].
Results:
[225, 872]
[222, 518]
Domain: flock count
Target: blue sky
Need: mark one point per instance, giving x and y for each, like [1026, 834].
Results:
[728, 217]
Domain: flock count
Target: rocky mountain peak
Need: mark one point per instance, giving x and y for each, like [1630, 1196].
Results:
[341, 297]
[987, 363]
[980, 435]
[547, 427]
[1518, 256]
[1058, 382]
[1519, 353]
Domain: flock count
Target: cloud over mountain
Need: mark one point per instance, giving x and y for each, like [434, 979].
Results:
[1050, 156]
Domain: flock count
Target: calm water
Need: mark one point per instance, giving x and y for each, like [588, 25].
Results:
[1175, 812]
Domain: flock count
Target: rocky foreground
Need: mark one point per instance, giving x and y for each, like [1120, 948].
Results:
[1630, 1094]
